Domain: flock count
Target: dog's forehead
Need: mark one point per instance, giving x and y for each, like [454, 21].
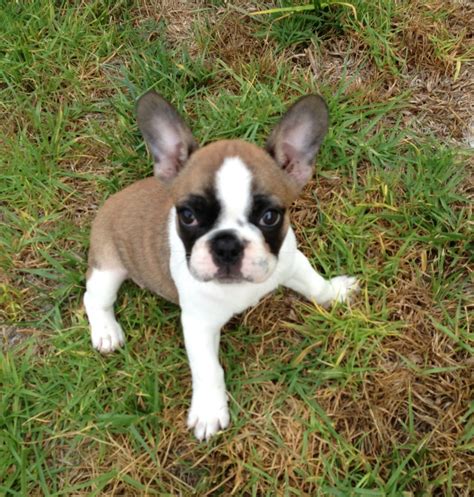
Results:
[233, 170]
[233, 187]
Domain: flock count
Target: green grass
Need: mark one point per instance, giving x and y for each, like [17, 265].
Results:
[366, 400]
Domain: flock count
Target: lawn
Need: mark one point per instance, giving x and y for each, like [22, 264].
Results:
[372, 399]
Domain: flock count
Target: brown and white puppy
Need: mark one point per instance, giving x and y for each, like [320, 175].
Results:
[211, 233]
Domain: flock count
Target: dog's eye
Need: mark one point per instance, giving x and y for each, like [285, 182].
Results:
[270, 218]
[187, 217]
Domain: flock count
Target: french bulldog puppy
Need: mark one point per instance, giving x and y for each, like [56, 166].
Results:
[210, 232]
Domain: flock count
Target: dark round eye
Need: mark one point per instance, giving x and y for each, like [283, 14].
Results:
[270, 218]
[187, 217]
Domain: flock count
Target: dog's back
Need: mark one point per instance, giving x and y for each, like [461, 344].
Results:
[128, 233]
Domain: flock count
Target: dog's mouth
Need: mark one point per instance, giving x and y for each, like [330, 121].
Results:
[229, 278]
[229, 272]
[224, 275]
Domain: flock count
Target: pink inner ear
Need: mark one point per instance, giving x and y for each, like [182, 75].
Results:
[301, 173]
[289, 156]
[164, 170]
[294, 164]
[181, 155]
[171, 164]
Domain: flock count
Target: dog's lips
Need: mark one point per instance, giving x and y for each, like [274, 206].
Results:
[229, 280]
[229, 274]
[223, 275]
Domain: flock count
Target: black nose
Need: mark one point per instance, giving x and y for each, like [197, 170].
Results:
[226, 248]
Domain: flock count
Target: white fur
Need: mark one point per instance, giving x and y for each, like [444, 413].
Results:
[233, 190]
[102, 287]
[208, 412]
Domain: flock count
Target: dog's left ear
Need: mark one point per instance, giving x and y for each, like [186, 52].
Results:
[296, 139]
[169, 138]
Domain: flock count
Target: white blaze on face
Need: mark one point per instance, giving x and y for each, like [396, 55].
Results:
[234, 193]
[233, 190]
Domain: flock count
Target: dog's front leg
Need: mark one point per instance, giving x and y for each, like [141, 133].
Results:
[208, 413]
[313, 286]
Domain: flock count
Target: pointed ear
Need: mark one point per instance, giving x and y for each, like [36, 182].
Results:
[169, 138]
[296, 139]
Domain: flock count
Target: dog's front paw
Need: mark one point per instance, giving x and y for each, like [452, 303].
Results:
[208, 415]
[344, 288]
[107, 336]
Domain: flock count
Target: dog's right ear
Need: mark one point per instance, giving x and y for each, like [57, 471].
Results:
[169, 138]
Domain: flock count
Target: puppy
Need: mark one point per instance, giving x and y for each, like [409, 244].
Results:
[209, 232]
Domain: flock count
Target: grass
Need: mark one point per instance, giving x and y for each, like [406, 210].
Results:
[374, 399]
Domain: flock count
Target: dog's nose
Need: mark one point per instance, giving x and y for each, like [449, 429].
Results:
[226, 248]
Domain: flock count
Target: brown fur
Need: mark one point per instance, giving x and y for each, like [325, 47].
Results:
[131, 231]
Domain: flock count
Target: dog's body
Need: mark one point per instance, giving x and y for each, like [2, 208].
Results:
[212, 234]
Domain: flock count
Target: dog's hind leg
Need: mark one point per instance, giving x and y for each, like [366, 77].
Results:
[102, 286]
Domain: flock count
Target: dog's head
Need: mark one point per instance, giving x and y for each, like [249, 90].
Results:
[232, 197]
